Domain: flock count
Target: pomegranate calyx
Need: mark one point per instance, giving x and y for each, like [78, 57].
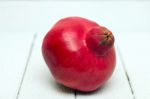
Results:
[99, 40]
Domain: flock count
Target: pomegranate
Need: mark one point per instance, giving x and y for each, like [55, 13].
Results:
[79, 53]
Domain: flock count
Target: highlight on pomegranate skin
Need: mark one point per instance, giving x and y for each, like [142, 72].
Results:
[79, 53]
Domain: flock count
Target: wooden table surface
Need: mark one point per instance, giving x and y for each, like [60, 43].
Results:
[23, 24]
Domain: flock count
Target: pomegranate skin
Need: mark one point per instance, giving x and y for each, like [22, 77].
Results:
[71, 62]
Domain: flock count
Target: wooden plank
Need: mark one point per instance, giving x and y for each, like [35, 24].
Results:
[135, 52]
[14, 51]
[117, 86]
[38, 82]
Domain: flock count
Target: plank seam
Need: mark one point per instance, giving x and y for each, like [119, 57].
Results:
[75, 94]
[26, 65]
[125, 71]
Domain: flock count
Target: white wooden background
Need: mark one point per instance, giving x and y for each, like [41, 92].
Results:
[23, 72]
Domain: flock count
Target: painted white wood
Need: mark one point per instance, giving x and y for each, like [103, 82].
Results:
[38, 82]
[135, 50]
[14, 51]
[116, 87]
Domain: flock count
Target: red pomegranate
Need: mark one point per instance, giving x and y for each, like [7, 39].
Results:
[79, 53]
